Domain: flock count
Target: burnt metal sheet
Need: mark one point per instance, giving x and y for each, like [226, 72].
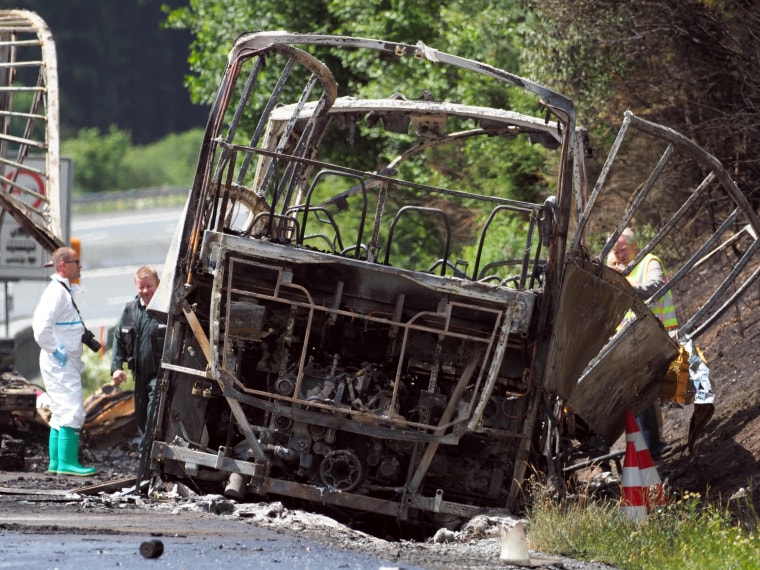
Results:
[109, 417]
[106, 487]
[487, 116]
[18, 400]
[592, 303]
[418, 51]
[626, 375]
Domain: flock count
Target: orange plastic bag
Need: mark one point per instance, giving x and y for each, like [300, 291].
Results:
[677, 385]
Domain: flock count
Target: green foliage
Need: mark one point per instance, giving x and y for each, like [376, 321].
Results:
[564, 51]
[477, 30]
[97, 370]
[504, 247]
[170, 161]
[110, 162]
[681, 64]
[687, 533]
[215, 24]
[561, 46]
[98, 159]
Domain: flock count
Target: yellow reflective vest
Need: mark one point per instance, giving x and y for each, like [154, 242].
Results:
[663, 309]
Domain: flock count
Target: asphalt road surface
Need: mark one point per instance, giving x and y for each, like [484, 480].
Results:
[40, 534]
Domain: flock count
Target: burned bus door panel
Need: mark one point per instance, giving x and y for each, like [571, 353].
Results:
[593, 300]
[625, 376]
[628, 371]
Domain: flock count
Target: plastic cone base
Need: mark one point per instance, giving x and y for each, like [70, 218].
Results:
[650, 478]
[633, 503]
[514, 546]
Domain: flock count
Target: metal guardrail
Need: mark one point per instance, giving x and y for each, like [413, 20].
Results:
[138, 198]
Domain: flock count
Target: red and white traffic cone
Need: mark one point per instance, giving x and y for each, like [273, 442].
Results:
[633, 494]
[654, 494]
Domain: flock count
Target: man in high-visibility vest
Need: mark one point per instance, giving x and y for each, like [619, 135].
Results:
[646, 278]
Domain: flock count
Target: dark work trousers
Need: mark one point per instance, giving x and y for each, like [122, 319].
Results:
[650, 430]
[144, 395]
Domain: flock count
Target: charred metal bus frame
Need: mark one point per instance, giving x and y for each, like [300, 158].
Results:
[301, 362]
[29, 125]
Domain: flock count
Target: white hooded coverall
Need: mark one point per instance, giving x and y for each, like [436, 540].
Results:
[57, 323]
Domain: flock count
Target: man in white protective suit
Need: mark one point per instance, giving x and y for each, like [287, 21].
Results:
[58, 330]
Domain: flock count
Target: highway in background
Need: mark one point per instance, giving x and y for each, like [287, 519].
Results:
[113, 246]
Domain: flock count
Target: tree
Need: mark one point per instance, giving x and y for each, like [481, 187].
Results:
[693, 65]
[98, 159]
[118, 66]
[477, 29]
[466, 28]
[109, 161]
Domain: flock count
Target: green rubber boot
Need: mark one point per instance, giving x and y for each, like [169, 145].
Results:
[53, 450]
[68, 454]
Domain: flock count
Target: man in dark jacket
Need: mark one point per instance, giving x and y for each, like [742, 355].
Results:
[139, 342]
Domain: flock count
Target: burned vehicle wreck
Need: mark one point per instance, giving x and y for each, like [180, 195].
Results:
[310, 356]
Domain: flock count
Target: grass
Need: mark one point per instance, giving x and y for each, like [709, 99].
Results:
[688, 533]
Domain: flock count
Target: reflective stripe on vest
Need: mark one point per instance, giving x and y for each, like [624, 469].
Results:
[664, 309]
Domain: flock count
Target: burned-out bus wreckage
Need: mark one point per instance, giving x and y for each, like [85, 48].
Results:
[311, 355]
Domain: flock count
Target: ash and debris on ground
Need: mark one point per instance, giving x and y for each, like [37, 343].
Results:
[476, 544]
